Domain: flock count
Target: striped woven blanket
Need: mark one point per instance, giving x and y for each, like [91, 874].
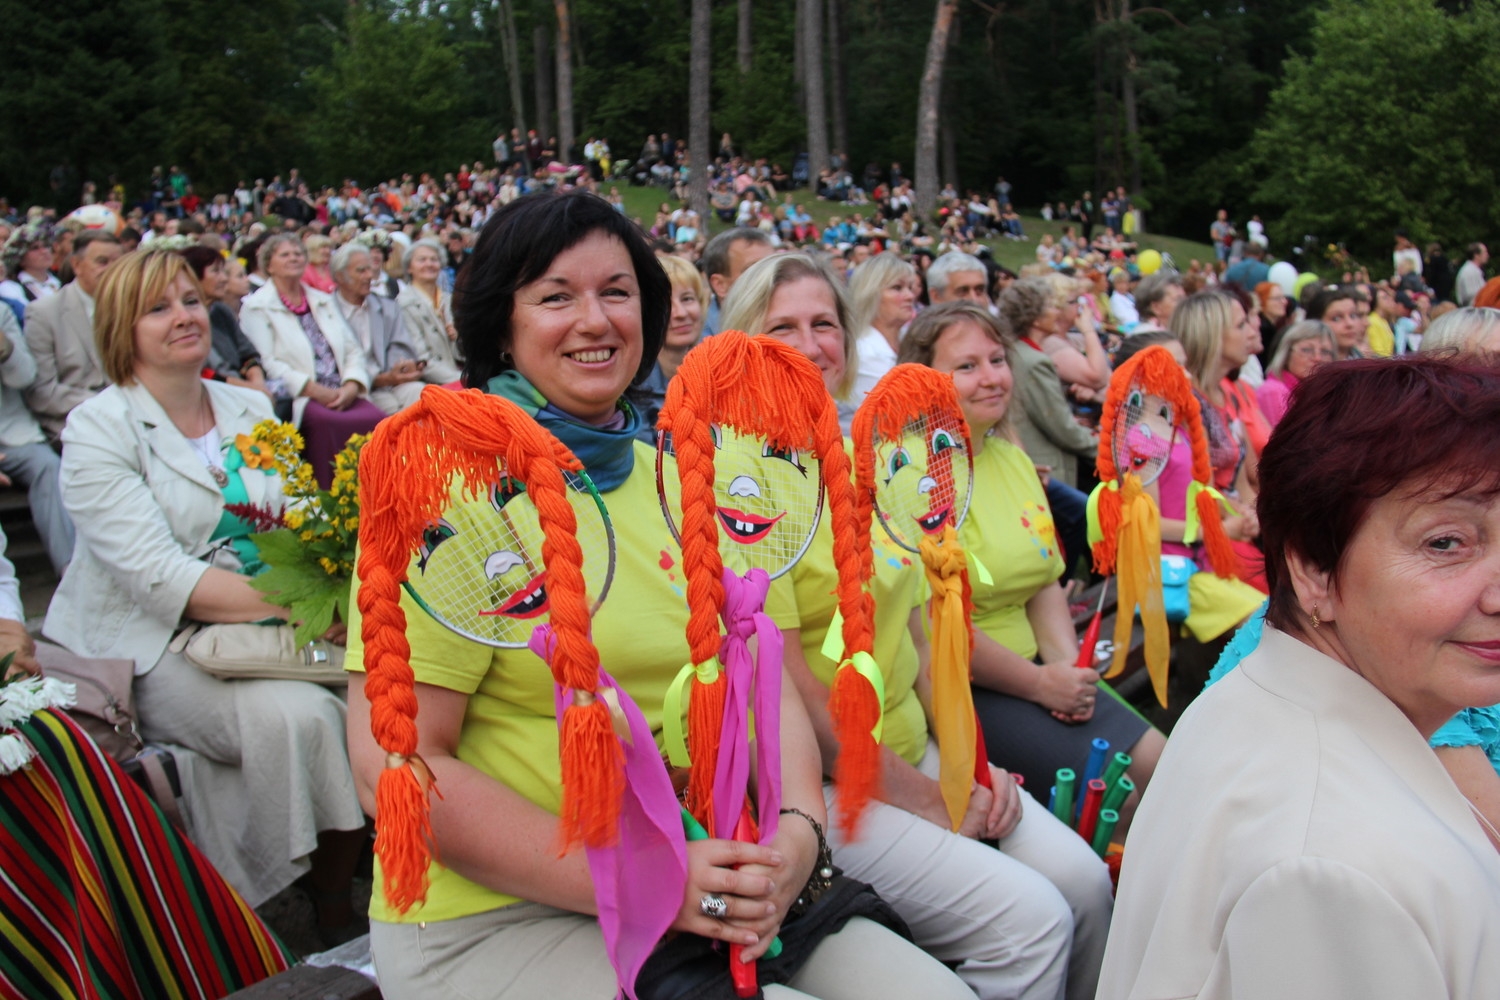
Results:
[100, 897]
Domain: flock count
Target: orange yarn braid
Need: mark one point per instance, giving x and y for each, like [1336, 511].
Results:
[407, 473]
[1157, 372]
[761, 387]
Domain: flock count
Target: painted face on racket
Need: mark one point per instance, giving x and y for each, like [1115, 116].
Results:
[767, 501]
[479, 570]
[1145, 426]
[922, 480]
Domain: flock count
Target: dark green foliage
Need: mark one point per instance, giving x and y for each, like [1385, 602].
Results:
[1387, 121]
[86, 86]
[1381, 121]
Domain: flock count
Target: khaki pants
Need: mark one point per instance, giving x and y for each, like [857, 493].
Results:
[528, 950]
[1027, 921]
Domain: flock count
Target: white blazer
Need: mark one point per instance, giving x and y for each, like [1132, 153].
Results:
[429, 332]
[1300, 839]
[284, 349]
[145, 507]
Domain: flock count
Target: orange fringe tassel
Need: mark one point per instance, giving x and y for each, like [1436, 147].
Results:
[705, 722]
[855, 711]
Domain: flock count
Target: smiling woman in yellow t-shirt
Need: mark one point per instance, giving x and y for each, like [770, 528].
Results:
[1028, 919]
[1039, 712]
[562, 307]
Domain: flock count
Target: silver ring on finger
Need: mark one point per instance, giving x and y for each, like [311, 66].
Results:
[713, 905]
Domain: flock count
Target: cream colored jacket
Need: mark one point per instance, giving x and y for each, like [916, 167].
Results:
[1300, 839]
[429, 332]
[284, 349]
[145, 507]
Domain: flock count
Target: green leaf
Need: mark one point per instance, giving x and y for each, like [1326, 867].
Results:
[314, 615]
[285, 585]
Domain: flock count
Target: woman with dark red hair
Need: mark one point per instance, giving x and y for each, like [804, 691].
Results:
[1338, 858]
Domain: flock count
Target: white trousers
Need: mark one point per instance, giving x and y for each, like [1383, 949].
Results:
[1027, 921]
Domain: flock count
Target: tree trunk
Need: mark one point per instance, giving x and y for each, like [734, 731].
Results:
[1127, 87]
[564, 81]
[949, 136]
[511, 51]
[700, 40]
[540, 46]
[836, 77]
[817, 100]
[799, 52]
[742, 40]
[1103, 110]
[927, 108]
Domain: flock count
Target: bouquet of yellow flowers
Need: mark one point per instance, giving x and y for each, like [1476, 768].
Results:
[307, 546]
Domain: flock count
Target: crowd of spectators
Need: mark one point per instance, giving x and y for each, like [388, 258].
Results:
[333, 306]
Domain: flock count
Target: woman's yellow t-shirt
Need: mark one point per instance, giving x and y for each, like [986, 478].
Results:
[809, 591]
[1009, 532]
[510, 729]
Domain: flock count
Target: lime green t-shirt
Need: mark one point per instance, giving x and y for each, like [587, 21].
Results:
[510, 729]
[810, 589]
[1009, 531]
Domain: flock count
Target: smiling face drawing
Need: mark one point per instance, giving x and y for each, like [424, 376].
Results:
[479, 568]
[1144, 429]
[766, 500]
[921, 481]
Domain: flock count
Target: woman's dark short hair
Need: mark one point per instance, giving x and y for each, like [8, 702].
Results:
[1357, 431]
[516, 247]
[201, 258]
[1328, 296]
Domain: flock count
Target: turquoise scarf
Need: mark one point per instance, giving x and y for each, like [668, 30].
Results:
[608, 453]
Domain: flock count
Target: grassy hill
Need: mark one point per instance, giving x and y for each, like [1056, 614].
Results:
[641, 203]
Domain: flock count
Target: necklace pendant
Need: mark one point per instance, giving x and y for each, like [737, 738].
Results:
[220, 476]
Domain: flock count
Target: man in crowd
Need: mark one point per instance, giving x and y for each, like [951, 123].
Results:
[726, 257]
[1221, 235]
[60, 335]
[956, 276]
[1251, 269]
[380, 329]
[25, 457]
[1471, 276]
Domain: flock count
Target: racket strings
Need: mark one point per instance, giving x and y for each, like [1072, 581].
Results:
[923, 481]
[480, 570]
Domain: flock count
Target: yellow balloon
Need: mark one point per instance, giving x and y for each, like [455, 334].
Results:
[1149, 261]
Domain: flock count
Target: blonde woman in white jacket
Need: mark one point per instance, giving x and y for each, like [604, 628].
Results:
[309, 354]
[148, 468]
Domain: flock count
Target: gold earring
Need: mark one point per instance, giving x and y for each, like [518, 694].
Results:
[1315, 620]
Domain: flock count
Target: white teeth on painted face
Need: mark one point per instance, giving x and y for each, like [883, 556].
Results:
[592, 357]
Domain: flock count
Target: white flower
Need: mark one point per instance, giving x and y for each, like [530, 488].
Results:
[59, 694]
[14, 753]
[19, 700]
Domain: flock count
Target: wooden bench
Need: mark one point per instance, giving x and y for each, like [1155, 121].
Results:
[311, 982]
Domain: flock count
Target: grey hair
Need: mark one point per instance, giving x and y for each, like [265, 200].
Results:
[429, 243]
[344, 255]
[1307, 329]
[954, 260]
[268, 248]
[1461, 331]
[1152, 289]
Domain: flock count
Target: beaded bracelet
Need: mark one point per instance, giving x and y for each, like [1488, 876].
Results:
[821, 879]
